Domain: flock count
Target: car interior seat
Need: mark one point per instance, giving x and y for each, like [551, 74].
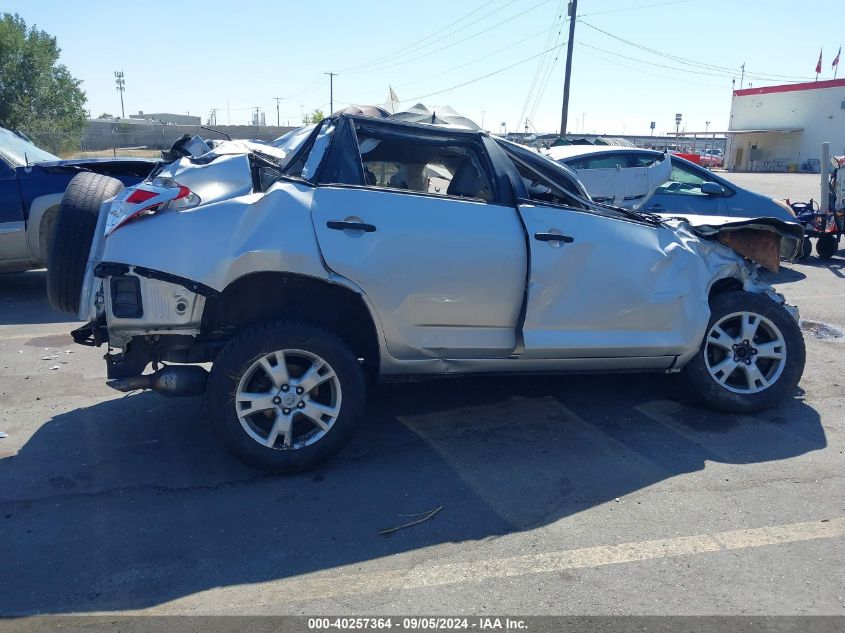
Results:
[466, 182]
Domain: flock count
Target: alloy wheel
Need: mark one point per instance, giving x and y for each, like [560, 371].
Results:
[288, 399]
[745, 352]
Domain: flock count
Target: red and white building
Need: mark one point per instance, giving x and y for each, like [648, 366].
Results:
[780, 128]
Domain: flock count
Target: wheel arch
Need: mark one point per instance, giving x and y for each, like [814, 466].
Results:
[723, 285]
[269, 295]
[39, 210]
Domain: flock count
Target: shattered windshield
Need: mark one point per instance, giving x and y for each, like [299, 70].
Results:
[19, 152]
[291, 141]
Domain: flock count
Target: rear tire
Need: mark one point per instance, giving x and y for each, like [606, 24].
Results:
[826, 246]
[746, 368]
[72, 235]
[285, 396]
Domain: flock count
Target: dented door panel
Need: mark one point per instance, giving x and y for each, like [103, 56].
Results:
[447, 275]
[617, 289]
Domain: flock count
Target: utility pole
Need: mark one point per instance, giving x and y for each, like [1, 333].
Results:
[331, 91]
[277, 109]
[564, 114]
[742, 77]
[121, 86]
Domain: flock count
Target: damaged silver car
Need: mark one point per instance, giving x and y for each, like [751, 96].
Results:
[373, 249]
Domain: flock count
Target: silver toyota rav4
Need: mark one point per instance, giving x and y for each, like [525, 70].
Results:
[373, 249]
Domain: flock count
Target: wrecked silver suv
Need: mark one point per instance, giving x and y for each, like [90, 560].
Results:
[376, 249]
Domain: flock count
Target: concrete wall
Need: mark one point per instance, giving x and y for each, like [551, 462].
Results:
[102, 135]
[816, 107]
[168, 117]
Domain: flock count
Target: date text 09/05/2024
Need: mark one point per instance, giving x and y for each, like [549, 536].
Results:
[416, 623]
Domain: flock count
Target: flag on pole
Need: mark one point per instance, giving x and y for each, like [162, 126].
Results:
[392, 99]
[836, 59]
[819, 64]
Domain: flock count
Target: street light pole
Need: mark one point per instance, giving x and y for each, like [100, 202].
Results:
[564, 114]
[121, 86]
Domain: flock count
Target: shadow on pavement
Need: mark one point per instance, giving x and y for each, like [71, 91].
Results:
[784, 275]
[835, 264]
[132, 502]
[23, 300]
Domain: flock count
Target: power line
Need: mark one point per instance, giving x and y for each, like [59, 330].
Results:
[642, 6]
[485, 57]
[684, 60]
[485, 76]
[541, 63]
[616, 64]
[694, 71]
[544, 84]
[455, 43]
[451, 25]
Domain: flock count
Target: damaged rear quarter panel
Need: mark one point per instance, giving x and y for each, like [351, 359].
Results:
[216, 243]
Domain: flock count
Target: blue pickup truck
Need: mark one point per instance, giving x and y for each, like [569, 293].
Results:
[32, 182]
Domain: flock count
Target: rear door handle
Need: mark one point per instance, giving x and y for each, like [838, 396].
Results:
[553, 237]
[344, 225]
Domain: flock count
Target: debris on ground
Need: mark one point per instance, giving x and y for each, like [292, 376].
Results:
[2, 435]
[822, 330]
[55, 367]
[427, 516]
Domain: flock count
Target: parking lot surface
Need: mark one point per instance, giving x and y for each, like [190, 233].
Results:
[558, 494]
[796, 187]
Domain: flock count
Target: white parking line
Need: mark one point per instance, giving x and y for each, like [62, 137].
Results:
[343, 581]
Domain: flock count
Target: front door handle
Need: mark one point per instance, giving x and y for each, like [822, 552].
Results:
[345, 225]
[553, 237]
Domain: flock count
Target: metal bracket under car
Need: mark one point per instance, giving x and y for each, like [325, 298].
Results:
[93, 334]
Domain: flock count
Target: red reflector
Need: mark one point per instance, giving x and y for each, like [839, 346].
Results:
[140, 195]
[183, 191]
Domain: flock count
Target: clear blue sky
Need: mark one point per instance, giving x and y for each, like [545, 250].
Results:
[192, 56]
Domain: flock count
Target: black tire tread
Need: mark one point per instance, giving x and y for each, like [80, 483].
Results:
[72, 236]
[226, 371]
[826, 246]
[704, 389]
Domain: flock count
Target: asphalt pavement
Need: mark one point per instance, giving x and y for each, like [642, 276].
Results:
[557, 494]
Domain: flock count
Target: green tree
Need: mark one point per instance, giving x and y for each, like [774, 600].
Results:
[315, 117]
[38, 96]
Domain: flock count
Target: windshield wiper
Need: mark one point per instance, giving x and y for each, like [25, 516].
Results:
[644, 216]
[211, 129]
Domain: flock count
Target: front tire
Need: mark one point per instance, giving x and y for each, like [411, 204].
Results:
[752, 355]
[285, 396]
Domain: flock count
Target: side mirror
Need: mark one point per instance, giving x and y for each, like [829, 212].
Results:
[712, 189]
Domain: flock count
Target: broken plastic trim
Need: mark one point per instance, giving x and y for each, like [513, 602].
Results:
[92, 334]
[108, 269]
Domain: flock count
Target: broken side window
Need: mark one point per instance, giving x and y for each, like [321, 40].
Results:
[415, 163]
[306, 161]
